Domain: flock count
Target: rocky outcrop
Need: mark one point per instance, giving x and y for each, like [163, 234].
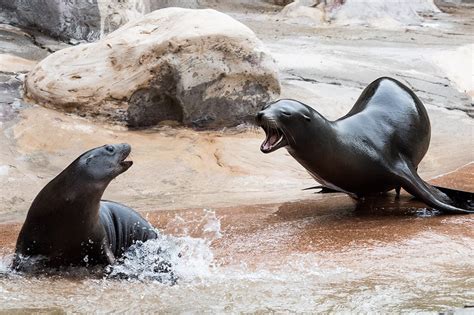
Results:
[384, 14]
[312, 12]
[375, 13]
[59, 18]
[80, 19]
[198, 67]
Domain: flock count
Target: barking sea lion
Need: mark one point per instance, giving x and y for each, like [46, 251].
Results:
[69, 225]
[374, 148]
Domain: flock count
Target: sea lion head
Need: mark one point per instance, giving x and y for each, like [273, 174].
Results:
[104, 163]
[284, 122]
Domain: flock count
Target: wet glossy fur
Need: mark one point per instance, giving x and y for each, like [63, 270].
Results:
[374, 148]
[68, 223]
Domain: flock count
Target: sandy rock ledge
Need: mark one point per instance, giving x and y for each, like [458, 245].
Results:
[198, 67]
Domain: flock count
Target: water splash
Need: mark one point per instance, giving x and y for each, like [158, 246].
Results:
[169, 258]
[165, 259]
[426, 212]
[150, 260]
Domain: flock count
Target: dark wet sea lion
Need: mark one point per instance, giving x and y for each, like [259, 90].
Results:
[69, 225]
[374, 148]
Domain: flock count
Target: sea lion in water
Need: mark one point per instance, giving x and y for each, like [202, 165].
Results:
[374, 148]
[69, 225]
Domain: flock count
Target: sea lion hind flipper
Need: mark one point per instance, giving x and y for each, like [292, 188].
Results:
[462, 199]
[412, 183]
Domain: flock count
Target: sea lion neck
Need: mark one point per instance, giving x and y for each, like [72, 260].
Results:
[72, 190]
[314, 139]
[318, 147]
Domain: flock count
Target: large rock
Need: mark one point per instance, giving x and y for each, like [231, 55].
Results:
[64, 19]
[81, 19]
[198, 67]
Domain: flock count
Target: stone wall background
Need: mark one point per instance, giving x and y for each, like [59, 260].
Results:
[92, 19]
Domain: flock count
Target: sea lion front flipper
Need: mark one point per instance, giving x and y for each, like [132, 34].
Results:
[109, 255]
[322, 189]
[413, 184]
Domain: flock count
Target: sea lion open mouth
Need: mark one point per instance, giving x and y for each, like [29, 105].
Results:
[275, 139]
[123, 160]
[126, 164]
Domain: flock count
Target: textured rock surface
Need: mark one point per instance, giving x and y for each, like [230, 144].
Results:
[64, 19]
[384, 14]
[198, 67]
[73, 19]
[306, 11]
[375, 13]
[90, 20]
[458, 65]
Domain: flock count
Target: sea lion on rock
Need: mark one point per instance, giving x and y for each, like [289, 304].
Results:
[374, 148]
[69, 225]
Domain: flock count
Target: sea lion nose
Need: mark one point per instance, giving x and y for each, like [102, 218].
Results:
[126, 147]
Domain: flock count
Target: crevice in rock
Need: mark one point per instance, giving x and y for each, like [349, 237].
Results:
[148, 107]
[328, 80]
[35, 42]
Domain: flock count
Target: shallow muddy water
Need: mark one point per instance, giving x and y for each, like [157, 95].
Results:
[324, 253]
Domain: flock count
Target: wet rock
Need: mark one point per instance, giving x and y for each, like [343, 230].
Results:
[198, 67]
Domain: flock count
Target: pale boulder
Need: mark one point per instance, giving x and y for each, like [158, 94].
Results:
[310, 12]
[383, 14]
[198, 67]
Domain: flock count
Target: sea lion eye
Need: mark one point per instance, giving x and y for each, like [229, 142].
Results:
[286, 113]
[307, 117]
[89, 159]
[109, 148]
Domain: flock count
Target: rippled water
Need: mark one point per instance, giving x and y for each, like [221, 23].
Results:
[291, 257]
